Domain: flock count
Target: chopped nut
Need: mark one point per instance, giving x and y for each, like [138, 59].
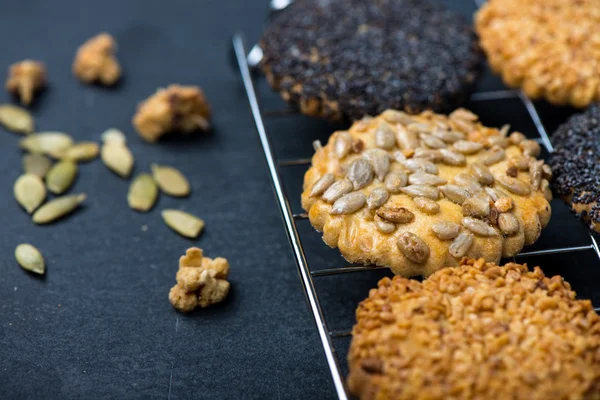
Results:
[176, 108]
[95, 61]
[25, 78]
[201, 281]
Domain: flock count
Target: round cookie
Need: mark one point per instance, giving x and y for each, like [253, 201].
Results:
[478, 331]
[575, 165]
[549, 48]
[417, 193]
[350, 58]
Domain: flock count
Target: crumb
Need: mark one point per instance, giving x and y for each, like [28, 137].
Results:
[95, 61]
[201, 281]
[176, 108]
[25, 78]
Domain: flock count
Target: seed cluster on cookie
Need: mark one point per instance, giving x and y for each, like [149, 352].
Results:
[478, 331]
[549, 48]
[350, 58]
[418, 192]
[575, 165]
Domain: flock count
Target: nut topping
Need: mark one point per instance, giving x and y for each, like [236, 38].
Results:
[396, 214]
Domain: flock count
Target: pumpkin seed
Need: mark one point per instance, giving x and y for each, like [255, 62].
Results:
[508, 224]
[396, 214]
[455, 193]
[113, 136]
[117, 158]
[384, 136]
[322, 184]
[380, 161]
[170, 180]
[337, 190]
[185, 224]
[342, 144]
[450, 157]
[467, 146]
[423, 178]
[37, 164]
[445, 230]
[16, 119]
[53, 144]
[82, 151]
[143, 193]
[395, 181]
[377, 198]
[30, 259]
[360, 173]
[426, 205]
[478, 227]
[514, 185]
[413, 247]
[57, 208]
[61, 176]
[30, 192]
[461, 244]
[348, 203]
[430, 192]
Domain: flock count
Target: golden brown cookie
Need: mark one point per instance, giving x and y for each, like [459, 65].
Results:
[417, 193]
[478, 331]
[549, 48]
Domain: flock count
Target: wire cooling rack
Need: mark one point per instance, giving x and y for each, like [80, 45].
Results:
[308, 275]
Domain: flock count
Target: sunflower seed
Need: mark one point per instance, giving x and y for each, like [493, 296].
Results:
[482, 174]
[396, 214]
[516, 138]
[426, 205]
[461, 245]
[384, 136]
[337, 190]
[377, 198]
[322, 184]
[433, 142]
[508, 224]
[477, 206]
[399, 156]
[113, 136]
[455, 193]
[514, 185]
[467, 146]
[413, 247]
[445, 230]
[317, 145]
[504, 130]
[495, 194]
[462, 125]
[82, 151]
[16, 119]
[468, 182]
[342, 144]
[406, 139]
[30, 259]
[170, 180]
[395, 181]
[530, 148]
[521, 163]
[419, 127]
[360, 173]
[430, 192]
[380, 161]
[428, 154]
[396, 116]
[535, 173]
[450, 157]
[348, 203]
[499, 141]
[492, 156]
[185, 224]
[546, 172]
[117, 158]
[464, 114]
[30, 192]
[478, 227]
[545, 187]
[448, 136]
[422, 178]
[53, 144]
[142, 193]
[57, 208]
[37, 164]
[61, 176]
[419, 164]
[384, 226]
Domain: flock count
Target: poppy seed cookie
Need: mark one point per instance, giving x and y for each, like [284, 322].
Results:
[350, 58]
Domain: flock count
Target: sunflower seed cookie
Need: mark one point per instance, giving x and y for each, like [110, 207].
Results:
[419, 205]
[478, 331]
[548, 48]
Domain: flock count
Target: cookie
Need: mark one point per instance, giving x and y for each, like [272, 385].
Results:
[417, 193]
[548, 48]
[575, 165]
[478, 331]
[350, 58]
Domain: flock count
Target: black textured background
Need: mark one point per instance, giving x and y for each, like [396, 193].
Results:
[99, 325]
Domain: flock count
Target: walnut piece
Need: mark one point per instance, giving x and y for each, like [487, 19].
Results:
[176, 108]
[95, 61]
[25, 78]
[201, 281]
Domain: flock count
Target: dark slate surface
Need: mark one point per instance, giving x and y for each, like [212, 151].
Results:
[99, 325]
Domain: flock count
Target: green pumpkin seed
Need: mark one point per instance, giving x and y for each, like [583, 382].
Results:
[142, 193]
[16, 119]
[117, 158]
[37, 164]
[82, 151]
[57, 208]
[53, 144]
[30, 192]
[113, 136]
[61, 176]
[30, 259]
[170, 180]
[185, 224]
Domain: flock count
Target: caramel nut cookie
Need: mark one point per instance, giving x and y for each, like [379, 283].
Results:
[417, 193]
[548, 48]
[349, 58]
[478, 331]
[575, 165]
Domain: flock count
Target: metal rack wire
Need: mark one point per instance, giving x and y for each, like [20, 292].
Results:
[307, 275]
